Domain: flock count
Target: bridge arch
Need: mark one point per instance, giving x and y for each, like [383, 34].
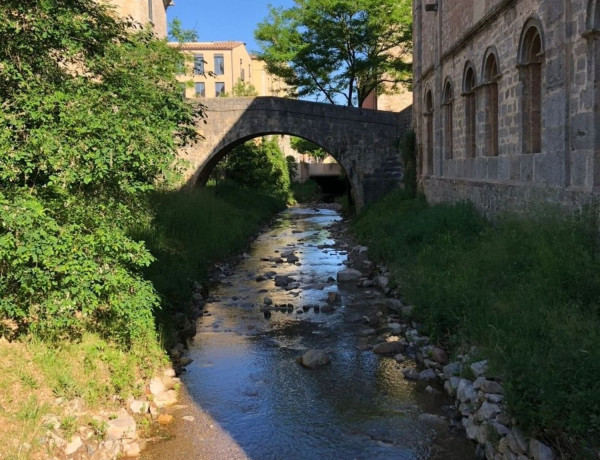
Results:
[364, 142]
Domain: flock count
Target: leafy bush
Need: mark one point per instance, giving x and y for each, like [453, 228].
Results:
[306, 192]
[190, 230]
[525, 290]
[260, 166]
[90, 122]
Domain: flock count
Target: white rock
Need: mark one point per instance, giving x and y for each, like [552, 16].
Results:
[489, 386]
[166, 399]
[465, 391]
[157, 386]
[517, 442]
[540, 451]
[427, 374]
[138, 407]
[452, 369]
[132, 450]
[170, 372]
[502, 430]
[121, 427]
[73, 446]
[488, 411]
[479, 368]
[382, 281]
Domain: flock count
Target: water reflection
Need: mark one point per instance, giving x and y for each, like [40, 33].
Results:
[245, 374]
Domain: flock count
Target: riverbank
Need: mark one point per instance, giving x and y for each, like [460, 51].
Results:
[521, 293]
[90, 398]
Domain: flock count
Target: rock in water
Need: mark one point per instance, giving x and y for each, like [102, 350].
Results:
[348, 275]
[388, 348]
[314, 358]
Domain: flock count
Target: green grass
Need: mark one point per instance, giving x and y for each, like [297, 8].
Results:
[526, 291]
[190, 230]
[306, 192]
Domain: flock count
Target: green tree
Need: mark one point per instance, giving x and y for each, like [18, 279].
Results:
[241, 89]
[180, 35]
[338, 48]
[260, 166]
[91, 119]
[307, 147]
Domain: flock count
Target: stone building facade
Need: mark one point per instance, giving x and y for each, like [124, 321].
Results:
[216, 67]
[144, 12]
[506, 101]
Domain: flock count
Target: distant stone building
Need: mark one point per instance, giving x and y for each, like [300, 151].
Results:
[144, 12]
[216, 67]
[506, 100]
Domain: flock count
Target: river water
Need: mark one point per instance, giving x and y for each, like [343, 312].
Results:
[244, 376]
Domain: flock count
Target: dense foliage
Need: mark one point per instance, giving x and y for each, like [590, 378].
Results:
[91, 118]
[189, 231]
[339, 49]
[306, 147]
[260, 166]
[525, 290]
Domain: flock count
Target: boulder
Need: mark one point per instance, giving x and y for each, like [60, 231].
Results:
[388, 348]
[73, 446]
[314, 358]
[439, 355]
[121, 427]
[427, 374]
[479, 368]
[517, 442]
[410, 373]
[540, 451]
[348, 275]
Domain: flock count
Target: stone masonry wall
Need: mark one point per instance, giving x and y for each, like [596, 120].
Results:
[462, 33]
[364, 142]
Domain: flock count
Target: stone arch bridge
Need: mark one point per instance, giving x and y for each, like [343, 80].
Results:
[364, 142]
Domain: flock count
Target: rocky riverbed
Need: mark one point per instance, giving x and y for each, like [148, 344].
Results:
[302, 339]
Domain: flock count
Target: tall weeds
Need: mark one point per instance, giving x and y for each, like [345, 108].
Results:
[525, 290]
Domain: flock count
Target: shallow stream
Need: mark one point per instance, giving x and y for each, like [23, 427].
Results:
[244, 376]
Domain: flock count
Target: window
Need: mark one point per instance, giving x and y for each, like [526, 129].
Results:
[447, 112]
[243, 75]
[490, 76]
[219, 64]
[150, 11]
[530, 63]
[200, 89]
[470, 112]
[428, 166]
[219, 89]
[198, 64]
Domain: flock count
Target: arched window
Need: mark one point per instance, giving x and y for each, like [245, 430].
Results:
[428, 167]
[593, 16]
[490, 78]
[447, 100]
[470, 112]
[530, 61]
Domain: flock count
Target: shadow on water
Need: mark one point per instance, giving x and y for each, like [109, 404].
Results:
[245, 373]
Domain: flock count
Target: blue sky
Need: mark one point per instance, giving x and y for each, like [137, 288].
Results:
[223, 20]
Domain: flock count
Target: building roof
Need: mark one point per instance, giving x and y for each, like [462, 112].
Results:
[209, 46]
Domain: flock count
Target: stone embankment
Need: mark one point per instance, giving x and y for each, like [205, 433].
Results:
[109, 434]
[479, 397]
